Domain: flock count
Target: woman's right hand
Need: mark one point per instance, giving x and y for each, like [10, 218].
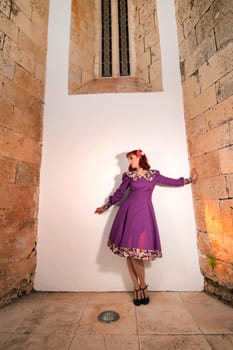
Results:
[100, 210]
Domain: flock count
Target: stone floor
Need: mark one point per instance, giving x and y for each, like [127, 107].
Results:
[172, 320]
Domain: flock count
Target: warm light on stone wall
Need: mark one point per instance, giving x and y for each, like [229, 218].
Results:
[212, 216]
[206, 49]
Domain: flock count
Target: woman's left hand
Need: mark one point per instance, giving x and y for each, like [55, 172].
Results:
[194, 174]
[193, 177]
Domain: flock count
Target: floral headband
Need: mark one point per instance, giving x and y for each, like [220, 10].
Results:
[140, 153]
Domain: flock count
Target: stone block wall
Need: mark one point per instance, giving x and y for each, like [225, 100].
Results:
[23, 44]
[206, 50]
[82, 43]
[147, 43]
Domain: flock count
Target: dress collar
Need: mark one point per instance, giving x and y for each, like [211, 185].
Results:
[149, 175]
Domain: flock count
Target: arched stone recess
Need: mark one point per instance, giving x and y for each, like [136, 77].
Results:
[85, 56]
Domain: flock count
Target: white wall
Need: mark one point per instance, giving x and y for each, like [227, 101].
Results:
[85, 141]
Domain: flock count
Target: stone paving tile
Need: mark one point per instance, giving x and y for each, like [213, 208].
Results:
[68, 297]
[33, 299]
[110, 297]
[88, 342]
[105, 342]
[89, 323]
[174, 342]
[57, 341]
[165, 318]
[212, 317]
[165, 298]
[220, 342]
[11, 316]
[3, 339]
[122, 342]
[51, 317]
[197, 298]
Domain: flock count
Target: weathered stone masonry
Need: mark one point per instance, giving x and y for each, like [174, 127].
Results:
[23, 43]
[206, 49]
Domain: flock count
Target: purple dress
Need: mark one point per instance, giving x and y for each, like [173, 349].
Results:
[134, 231]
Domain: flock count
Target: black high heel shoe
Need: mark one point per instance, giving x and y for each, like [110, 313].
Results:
[145, 300]
[137, 301]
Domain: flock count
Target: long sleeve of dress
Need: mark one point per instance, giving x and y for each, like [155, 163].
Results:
[118, 194]
[163, 180]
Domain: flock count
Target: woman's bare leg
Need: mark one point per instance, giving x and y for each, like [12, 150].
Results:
[134, 278]
[139, 268]
[132, 273]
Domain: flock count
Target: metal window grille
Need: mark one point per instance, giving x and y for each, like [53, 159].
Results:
[123, 37]
[106, 19]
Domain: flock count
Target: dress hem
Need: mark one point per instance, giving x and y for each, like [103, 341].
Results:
[137, 253]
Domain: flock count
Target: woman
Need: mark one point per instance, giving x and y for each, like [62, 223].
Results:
[134, 232]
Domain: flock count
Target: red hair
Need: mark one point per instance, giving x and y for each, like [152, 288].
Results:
[143, 162]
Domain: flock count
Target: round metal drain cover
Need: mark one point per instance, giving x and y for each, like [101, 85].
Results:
[108, 316]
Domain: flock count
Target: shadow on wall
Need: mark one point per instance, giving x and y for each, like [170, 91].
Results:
[107, 261]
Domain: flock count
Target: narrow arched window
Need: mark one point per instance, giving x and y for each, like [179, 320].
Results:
[114, 37]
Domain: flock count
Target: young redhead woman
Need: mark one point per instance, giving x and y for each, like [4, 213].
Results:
[134, 232]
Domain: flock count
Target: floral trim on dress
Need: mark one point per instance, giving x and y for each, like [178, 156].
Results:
[149, 175]
[144, 254]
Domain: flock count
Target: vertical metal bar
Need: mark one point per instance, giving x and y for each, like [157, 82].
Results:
[123, 38]
[106, 47]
